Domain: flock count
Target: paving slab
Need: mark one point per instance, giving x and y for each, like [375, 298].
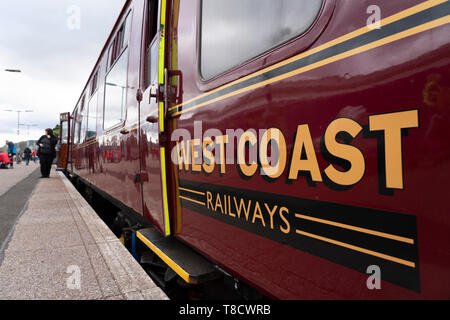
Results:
[61, 249]
[43, 274]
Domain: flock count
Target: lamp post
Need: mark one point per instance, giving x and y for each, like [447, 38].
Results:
[18, 118]
[28, 127]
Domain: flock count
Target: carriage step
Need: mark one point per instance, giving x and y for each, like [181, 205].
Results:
[188, 264]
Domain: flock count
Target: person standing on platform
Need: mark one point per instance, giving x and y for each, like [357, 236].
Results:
[27, 155]
[11, 152]
[34, 155]
[46, 151]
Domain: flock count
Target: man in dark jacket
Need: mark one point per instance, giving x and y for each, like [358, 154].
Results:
[47, 152]
[27, 155]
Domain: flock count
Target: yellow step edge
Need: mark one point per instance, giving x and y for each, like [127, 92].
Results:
[175, 267]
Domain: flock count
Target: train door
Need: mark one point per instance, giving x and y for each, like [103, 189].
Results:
[64, 141]
[153, 153]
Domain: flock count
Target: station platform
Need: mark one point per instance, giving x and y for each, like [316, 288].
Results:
[59, 249]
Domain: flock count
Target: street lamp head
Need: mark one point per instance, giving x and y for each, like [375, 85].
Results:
[13, 70]
[18, 110]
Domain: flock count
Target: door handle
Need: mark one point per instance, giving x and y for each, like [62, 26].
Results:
[152, 119]
[124, 131]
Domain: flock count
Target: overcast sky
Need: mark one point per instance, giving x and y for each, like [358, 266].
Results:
[56, 44]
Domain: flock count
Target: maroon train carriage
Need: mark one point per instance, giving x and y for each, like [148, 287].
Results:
[294, 148]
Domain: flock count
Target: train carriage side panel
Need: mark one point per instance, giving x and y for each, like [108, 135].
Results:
[351, 176]
[106, 147]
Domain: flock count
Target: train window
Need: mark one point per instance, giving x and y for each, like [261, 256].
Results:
[83, 121]
[94, 83]
[116, 79]
[75, 127]
[64, 132]
[152, 45]
[126, 32]
[152, 21]
[120, 41]
[78, 122]
[233, 32]
[152, 62]
[92, 109]
[92, 116]
[111, 54]
[115, 92]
